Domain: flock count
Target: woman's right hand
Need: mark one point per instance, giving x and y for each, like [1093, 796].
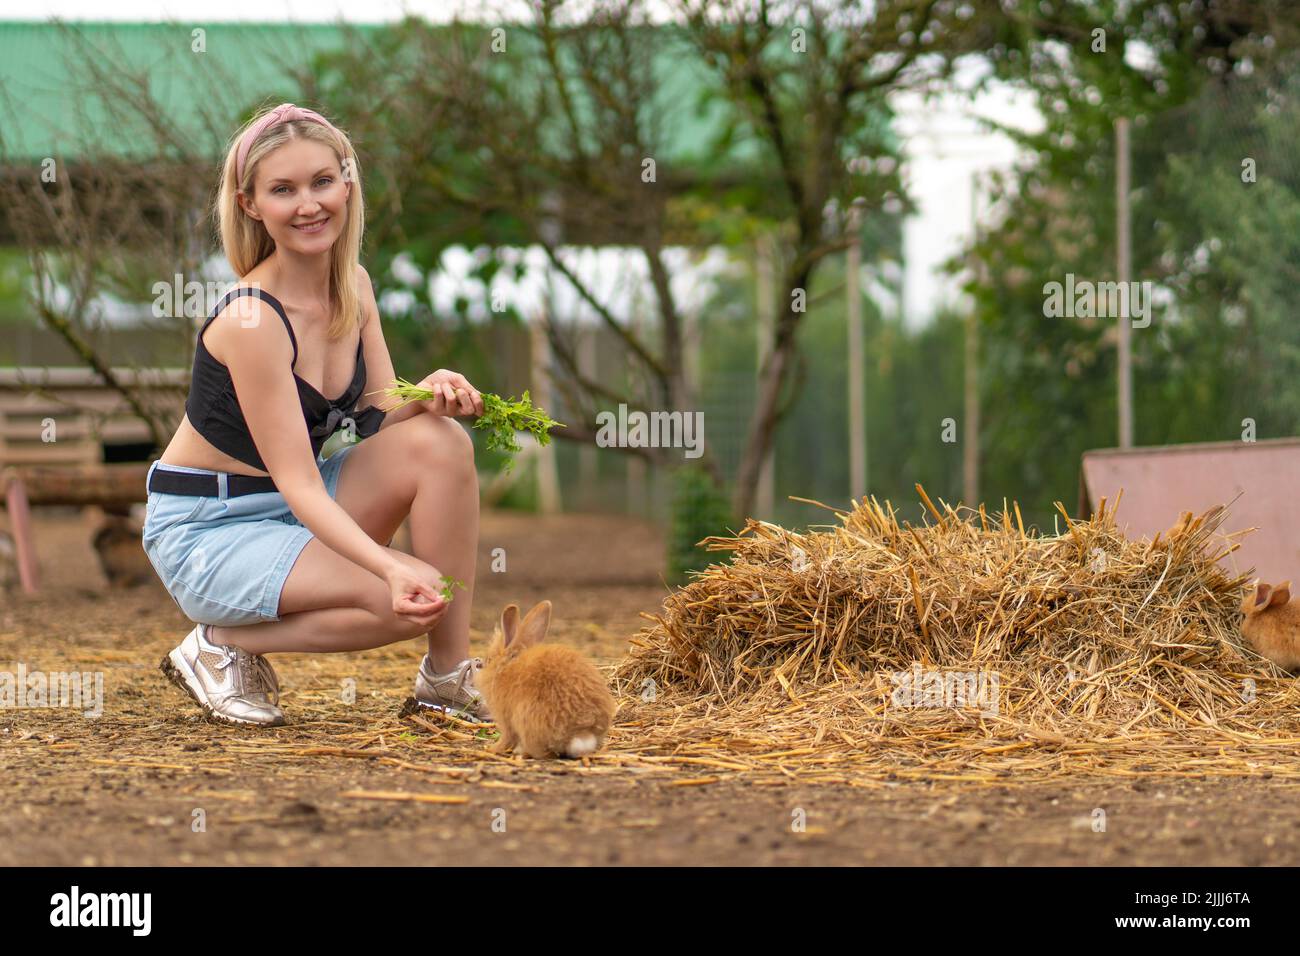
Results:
[416, 591]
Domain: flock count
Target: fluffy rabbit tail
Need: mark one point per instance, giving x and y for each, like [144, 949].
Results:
[582, 744]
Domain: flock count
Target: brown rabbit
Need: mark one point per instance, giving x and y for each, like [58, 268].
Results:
[546, 698]
[1272, 624]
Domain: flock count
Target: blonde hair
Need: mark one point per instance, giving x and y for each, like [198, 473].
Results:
[245, 239]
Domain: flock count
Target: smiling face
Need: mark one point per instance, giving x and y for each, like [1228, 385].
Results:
[300, 196]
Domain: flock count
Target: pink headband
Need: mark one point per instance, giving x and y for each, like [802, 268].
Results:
[281, 114]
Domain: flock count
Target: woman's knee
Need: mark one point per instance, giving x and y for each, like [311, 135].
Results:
[444, 443]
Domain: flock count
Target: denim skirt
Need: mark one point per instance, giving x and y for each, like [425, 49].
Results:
[225, 560]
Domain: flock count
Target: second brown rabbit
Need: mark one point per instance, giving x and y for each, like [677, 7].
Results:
[1272, 623]
[547, 699]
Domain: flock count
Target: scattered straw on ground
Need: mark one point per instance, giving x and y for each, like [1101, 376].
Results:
[965, 648]
[1111, 657]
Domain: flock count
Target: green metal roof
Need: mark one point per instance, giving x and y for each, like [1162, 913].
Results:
[47, 70]
[51, 103]
[47, 83]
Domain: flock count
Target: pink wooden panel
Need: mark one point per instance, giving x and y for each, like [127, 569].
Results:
[20, 517]
[1161, 482]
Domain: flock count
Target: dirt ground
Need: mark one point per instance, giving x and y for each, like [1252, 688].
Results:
[149, 783]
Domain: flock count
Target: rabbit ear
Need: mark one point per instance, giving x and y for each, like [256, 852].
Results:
[536, 621]
[509, 623]
[1281, 594]
[1257, 598]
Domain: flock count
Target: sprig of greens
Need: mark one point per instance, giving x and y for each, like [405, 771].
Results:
[449, 584]
[501, 418]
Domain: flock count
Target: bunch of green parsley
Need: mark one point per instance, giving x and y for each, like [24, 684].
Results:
[501, 418]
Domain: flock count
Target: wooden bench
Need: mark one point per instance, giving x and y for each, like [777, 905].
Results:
[114, 488]
[87, 417]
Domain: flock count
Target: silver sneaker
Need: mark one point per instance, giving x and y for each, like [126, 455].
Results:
[229, 683]
[452, 693]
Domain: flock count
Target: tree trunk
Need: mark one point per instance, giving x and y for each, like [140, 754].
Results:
[771, 378]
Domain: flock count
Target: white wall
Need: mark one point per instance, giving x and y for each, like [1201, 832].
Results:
[945, 147]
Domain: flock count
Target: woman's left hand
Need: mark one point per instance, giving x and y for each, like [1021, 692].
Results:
[453, 394]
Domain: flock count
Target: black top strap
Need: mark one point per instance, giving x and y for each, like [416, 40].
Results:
[265, 297]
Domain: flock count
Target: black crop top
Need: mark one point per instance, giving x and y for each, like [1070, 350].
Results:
[214, 411]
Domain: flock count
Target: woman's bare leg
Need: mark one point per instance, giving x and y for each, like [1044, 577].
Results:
[444, 533]
[423, 467]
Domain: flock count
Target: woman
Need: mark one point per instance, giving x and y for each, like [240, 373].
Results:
[264, 544]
